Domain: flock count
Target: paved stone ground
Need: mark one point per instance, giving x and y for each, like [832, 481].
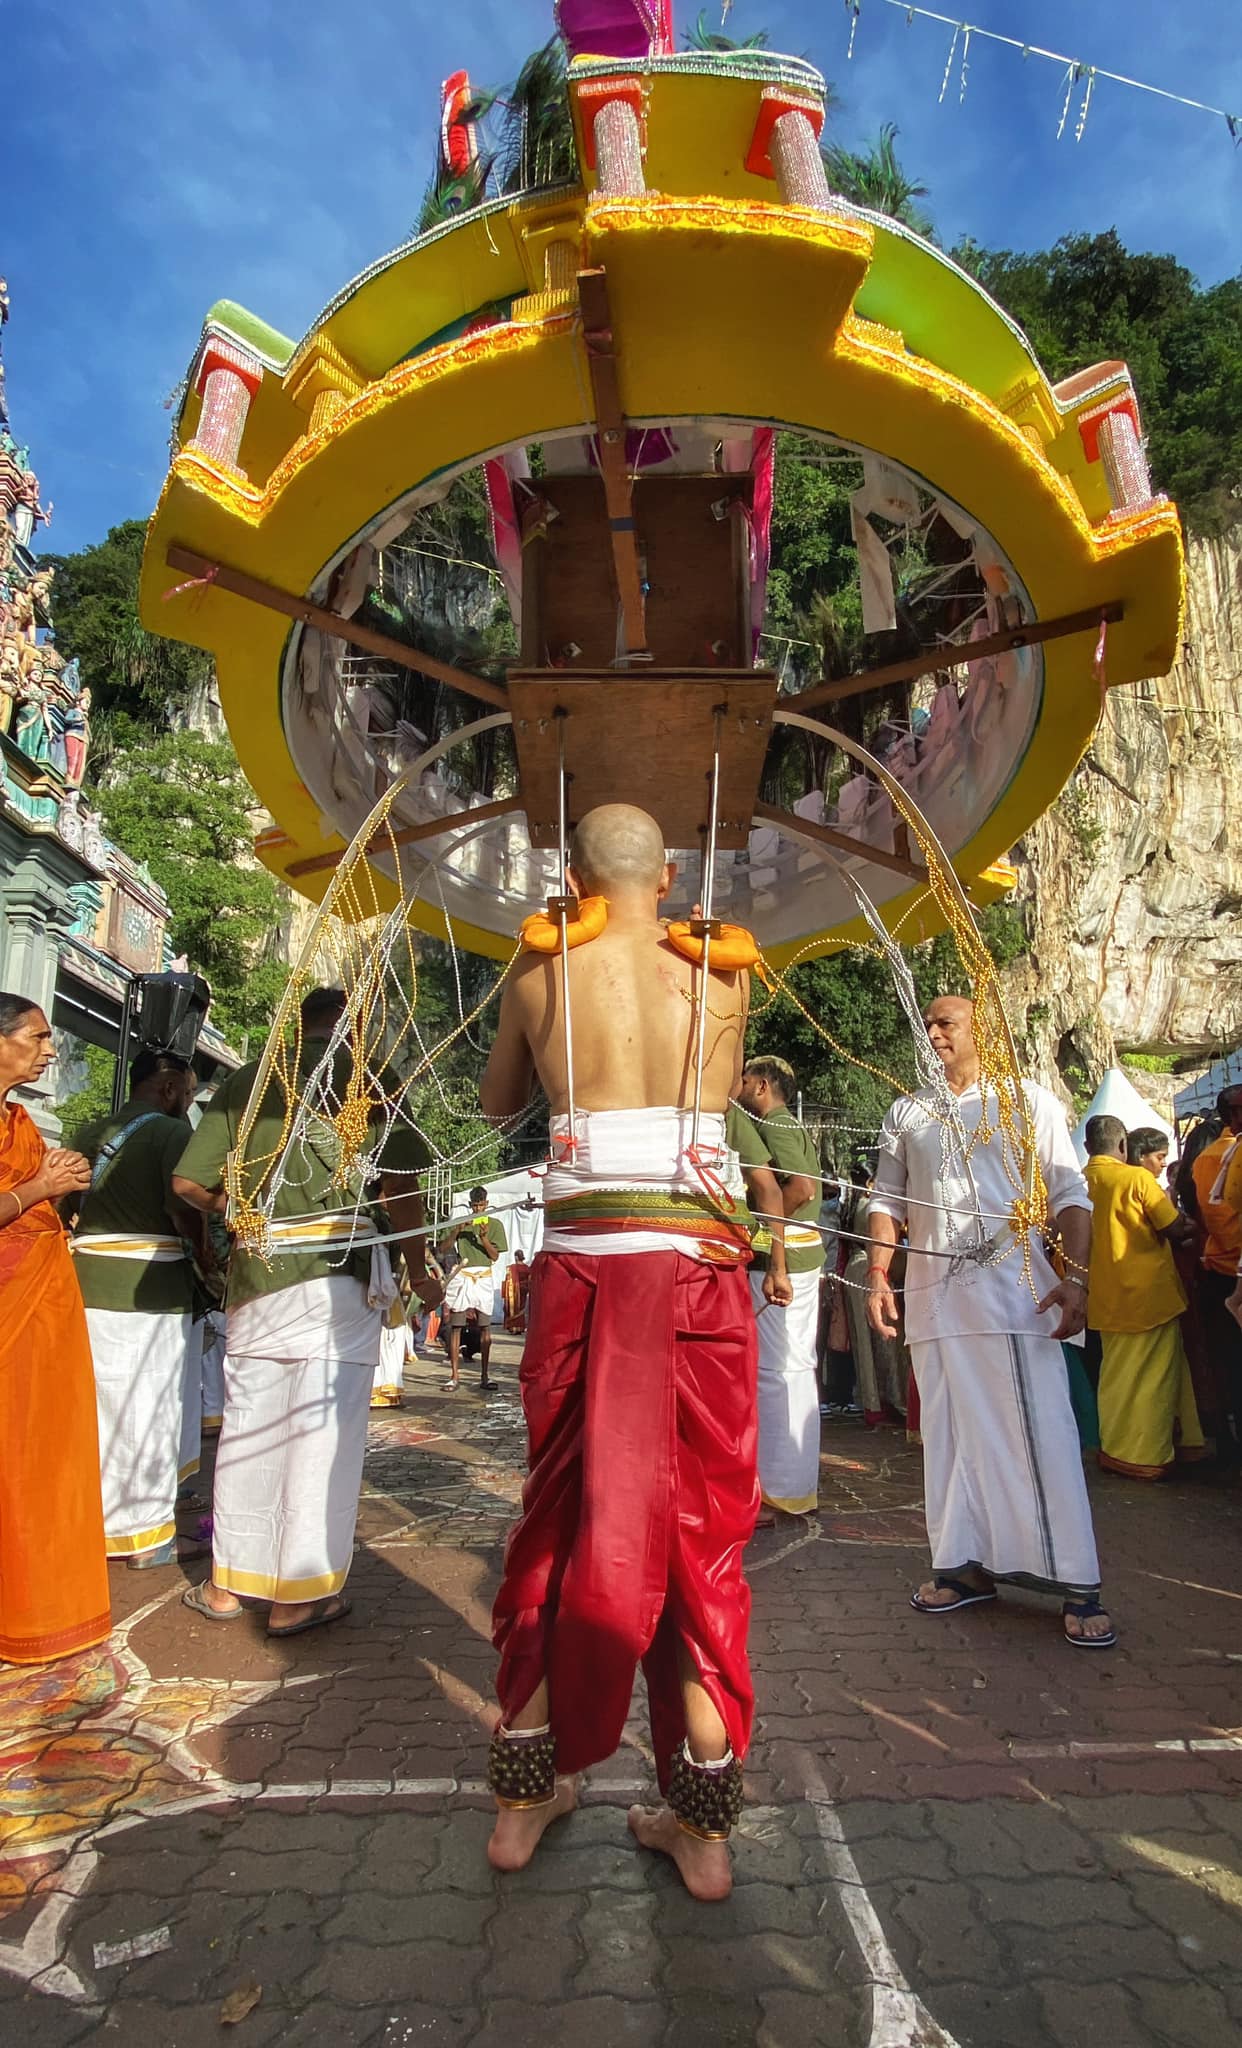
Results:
[960, 1831]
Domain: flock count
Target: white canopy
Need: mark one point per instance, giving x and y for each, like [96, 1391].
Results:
[1198, 1097]
[1115, 1096]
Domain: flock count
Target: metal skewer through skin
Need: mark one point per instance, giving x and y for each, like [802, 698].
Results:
[562, 840]
[904, 803]
[706, 893]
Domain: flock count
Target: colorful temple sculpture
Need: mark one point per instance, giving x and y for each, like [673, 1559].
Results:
[78, 918]
[614, 348]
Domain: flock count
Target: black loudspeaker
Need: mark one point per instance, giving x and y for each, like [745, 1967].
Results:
[169, 1014]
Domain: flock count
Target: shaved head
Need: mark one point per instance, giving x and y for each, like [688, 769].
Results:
[950, 1028]
[949, 1006]
[617, 846]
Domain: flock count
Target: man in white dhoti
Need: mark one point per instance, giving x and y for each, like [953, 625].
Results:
[470, 1293]
[303, 1340]
[787, 1316]
[137, 1284]
[1006, 1496]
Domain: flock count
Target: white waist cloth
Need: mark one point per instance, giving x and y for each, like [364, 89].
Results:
[328, 1318]
[131, 1244]
[471, 1287]
[341, 1233]
[645, 1151]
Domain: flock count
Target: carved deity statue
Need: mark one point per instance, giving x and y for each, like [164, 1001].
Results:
[12, 682]
[32, 727]
[77, 725]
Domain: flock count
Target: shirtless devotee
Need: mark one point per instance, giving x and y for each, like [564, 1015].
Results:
[638, 1380]
[1006, 1497]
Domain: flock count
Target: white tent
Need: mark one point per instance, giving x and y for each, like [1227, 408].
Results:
[1198, 1097]
[1116, 1097]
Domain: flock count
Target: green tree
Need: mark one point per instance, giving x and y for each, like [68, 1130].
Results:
[1090, 299]
[93, 1099]
[137, 679]
[181, 805]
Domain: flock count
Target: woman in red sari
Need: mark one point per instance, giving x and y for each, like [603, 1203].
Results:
[53, 1571]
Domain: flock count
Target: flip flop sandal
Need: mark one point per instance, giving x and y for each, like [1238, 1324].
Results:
[318, 1618]
[1086, 1610]
[967, 1595]
[194, 1597]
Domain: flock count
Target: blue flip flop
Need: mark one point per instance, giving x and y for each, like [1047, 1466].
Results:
[967, 1595]
[1086, 1610]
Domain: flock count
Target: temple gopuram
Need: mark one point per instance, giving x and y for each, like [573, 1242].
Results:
[79, 920]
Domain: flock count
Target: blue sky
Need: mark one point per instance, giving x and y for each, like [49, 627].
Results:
[163, 154]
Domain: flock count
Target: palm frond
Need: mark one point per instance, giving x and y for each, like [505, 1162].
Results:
[701, 37]
[874, 178]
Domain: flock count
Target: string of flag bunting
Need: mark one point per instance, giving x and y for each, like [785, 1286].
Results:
[1076, 72]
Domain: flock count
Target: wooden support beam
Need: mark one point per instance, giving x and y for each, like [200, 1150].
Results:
[408, 835]
[613, 466]
[840, 842]
[948, 655]
[238, 584]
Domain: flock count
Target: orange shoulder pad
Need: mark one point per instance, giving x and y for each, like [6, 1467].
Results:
[734, 949]
[541, 933]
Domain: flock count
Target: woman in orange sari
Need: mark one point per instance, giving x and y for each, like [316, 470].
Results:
[53, 1571]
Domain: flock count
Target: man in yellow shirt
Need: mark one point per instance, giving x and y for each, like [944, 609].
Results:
[1147, 1405]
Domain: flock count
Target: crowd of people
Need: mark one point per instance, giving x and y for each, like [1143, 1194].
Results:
[1156, 1378]
[97, 1449]
[678, 1320]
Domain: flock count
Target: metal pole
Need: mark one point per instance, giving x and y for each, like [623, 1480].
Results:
[562, 834]
[705, 893]
[120, 1087]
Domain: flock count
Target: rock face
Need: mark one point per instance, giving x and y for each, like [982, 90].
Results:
[1132, 883]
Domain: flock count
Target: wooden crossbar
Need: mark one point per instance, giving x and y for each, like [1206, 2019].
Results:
[840, 842]
[613, 466]
[408, 835]
[951, 656]
[238, 584]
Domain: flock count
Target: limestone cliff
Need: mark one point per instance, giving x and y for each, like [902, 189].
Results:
[1132, 884]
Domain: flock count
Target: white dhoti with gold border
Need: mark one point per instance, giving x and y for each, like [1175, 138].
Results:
[143, 1364]
[788, 1394]
[298, 1375]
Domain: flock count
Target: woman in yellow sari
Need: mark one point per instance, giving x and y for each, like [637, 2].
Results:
[53, 1571]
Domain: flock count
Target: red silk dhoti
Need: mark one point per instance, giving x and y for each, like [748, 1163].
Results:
[638, 1383]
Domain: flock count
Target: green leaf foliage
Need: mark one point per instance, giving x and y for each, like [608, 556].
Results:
[93, 1100]
[1089, 299]
[138, 680]
[180, 804]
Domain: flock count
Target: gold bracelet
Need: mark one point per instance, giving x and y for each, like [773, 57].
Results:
[20, 1210]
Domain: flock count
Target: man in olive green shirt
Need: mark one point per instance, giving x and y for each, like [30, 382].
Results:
[788, 1366]
[479, 1240]
[302, 1341]
[137, 1284]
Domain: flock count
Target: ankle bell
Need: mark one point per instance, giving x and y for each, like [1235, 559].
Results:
[705, 1799]
[521, 1767]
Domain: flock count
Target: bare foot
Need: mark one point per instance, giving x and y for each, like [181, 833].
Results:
[706, 1868]
[218, 1600]
[520, 1829]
